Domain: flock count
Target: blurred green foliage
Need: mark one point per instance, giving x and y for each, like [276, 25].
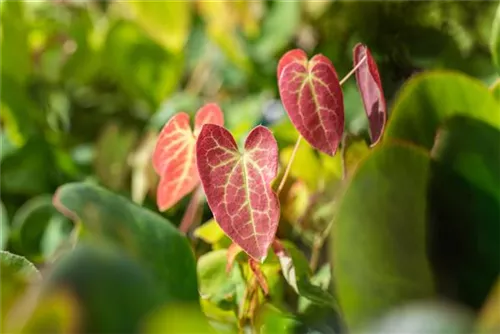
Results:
[86, 86]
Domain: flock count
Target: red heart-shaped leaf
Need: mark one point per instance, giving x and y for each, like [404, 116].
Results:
[311, 94]
[174, 158]
[372, 94]
[238, 185]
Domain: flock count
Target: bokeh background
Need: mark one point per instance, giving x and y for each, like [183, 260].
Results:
[86, 85]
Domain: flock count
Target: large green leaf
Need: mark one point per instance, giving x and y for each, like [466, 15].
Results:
[113, 294]
[465, 203]
[495, 90]
[427, 100]
[216, 285]
[145, 235]
[379, 237]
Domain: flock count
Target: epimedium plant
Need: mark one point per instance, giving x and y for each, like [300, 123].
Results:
[238, 182]
[418, 201]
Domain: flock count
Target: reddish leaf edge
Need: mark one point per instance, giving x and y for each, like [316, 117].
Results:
[56, 201]
[374, 72]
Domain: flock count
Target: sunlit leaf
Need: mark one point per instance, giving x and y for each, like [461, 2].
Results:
[238, 185]
[174, 158]
[167, 22]
[218, 285]
[372, 93]
[222, 24]
[306, 166]
[311, 94]
[210, 232]
[495, 89]
[296, 271]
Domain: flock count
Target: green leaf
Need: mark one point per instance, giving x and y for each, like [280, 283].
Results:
[57, 313]
[143, 234]
[465, 205]
[156, 73]
[16, 56]
[379, 236]
[428, 99]
[114, 146]
[216, 285]
[495, 90]
[322, 279]
[29, 224]
[272, 320]
[4, 227]
[210, 232]
[18, 265]
[177, 319]
[279, 27]
[495, 39]
[17, 274]
[221, 28]
[28, 170]
[112, 292]
[167, 22]
[296, 271]
[423, 317]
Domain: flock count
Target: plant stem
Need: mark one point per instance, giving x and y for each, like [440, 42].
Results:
[297, 143]
[348, 75]
[193, 210]
[289, 166]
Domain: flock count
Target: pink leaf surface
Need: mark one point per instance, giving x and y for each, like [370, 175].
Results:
[311, 94]
[372, 93]
[174, 158]
[238, 185]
